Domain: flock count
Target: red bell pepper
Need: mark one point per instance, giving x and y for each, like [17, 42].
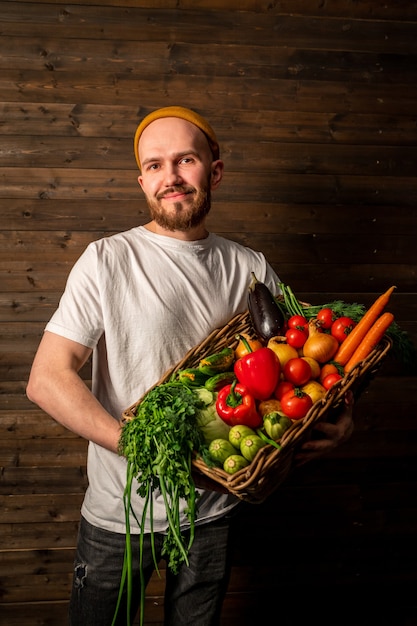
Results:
[259, 371]
[235, 405]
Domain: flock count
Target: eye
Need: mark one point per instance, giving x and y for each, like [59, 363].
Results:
[186, 160]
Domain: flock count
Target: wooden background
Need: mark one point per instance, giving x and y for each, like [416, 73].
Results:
[315, 106]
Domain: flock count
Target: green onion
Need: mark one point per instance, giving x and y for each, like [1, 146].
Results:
[158, 444]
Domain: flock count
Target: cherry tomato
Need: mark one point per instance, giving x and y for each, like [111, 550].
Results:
[326, 318]
[298, 321]
[330, 380]
[282, 388]
[296, 337]
[295, 404]
[341, 328]
[297, 371]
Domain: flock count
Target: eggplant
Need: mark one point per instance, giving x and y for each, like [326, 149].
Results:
[266, 316]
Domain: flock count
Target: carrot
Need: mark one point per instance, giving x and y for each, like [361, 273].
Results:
[354, 338]
[371, 339]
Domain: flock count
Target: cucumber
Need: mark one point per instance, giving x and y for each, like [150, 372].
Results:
[215, 383]
[216, 363]
[192, 377]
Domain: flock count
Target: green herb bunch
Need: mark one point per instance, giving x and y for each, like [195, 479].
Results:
[158, 444]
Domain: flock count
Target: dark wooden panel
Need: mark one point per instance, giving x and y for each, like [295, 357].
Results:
[266, 216]
[35, 588]
[50, 119]
[267, 155]
[332, 249]
[58, 183]
[314, 105]
[47, 480]
[336, 248]
[43, 452]
[63, 214]
[349, 278]
[31, 423]
[55, 613]
[15, 367]
[286, 29]
[22, 536]
[27, 306]
[338, 8]
[42, 508]
[15, 306]
[21, 277]
[279, 60]
[286, 94]
[240, 609]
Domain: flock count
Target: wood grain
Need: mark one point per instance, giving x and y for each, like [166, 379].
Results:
[314, 104]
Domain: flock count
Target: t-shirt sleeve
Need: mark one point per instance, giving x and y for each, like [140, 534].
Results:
[271, 279]
[79, 315]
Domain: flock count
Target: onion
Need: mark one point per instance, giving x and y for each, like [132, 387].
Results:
[281, 348]
[319, 346]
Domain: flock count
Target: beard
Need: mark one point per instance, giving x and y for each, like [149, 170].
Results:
[182, 216]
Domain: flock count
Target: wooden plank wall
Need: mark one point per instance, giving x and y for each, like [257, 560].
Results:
[315, 107]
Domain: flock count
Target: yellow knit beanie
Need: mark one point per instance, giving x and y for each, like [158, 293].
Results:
[185, 114]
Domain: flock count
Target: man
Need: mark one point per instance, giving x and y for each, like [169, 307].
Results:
[138, 301]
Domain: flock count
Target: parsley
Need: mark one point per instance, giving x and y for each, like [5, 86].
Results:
[158, 444]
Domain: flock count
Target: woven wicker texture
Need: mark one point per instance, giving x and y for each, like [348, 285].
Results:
[271, 466]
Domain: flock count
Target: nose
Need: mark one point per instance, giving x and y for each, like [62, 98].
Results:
[172, 176]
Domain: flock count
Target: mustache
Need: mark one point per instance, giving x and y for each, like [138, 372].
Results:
[176, 189]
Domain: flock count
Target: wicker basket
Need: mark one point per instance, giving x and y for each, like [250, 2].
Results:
[271, 466]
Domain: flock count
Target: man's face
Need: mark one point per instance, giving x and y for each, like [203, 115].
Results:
[178, 173]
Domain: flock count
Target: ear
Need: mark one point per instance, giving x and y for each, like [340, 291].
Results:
[140, 181]
[217, 168]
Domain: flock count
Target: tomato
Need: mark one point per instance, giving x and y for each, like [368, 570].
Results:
[297, 371]
[341, 328]
[295, 404]
[241, 349]
[282, 388]
[325, 317]
[330, 380]
[296, 337]
[328, 368]
[299, 322]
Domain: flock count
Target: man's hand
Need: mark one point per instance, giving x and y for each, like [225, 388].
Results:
[330, 435]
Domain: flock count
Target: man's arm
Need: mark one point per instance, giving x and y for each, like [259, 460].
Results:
[56, 387]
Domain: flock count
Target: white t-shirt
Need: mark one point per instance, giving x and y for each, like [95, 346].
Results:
[141, 301]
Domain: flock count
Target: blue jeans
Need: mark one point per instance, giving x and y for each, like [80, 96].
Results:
[193, 596]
